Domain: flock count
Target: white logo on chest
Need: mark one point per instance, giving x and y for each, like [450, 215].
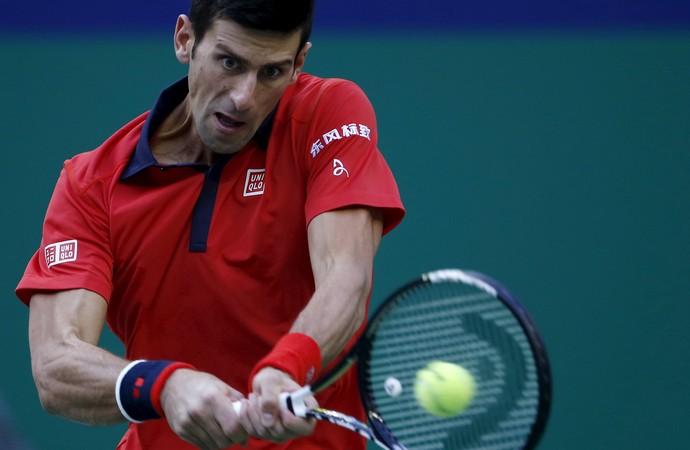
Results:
[255, 182]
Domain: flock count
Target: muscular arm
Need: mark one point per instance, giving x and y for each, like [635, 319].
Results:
[75, 378]
[342, 246]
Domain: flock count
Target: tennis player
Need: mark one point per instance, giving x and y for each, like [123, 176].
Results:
[226, 236]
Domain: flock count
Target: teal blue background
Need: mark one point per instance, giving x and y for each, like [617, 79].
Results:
[557, 162]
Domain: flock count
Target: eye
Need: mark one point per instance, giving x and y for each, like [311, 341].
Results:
[272, 73]
[230, 63]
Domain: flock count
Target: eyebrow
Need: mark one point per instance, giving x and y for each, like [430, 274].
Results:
[244, 61]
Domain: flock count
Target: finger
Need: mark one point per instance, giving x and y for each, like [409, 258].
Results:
[251, 426]
[229, 429]
[270, 408]
[297, 426]
[251, 417]
[243, 417]
[276, 433]
[187, 429]
[214, 438]
[196, 437]
[210, 431]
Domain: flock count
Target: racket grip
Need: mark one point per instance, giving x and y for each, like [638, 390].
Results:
[286, 402]
[294, 402]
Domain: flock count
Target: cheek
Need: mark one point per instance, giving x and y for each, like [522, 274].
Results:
[199, 75]
[270, 96]
[200, 85]
[193, 80]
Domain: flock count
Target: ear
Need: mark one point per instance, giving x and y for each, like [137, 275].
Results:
[184, 39]
[299, 61]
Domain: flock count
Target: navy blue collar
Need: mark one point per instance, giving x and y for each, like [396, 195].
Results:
[169, 99]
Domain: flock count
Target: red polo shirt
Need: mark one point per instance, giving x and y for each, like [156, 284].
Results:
[210, 265]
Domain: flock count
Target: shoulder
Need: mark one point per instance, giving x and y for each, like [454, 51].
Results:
[310, 92]
[307, 83]
[108, 160]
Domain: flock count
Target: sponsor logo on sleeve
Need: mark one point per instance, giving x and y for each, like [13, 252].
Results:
[61, 252]
[336, 134]
[339, 168]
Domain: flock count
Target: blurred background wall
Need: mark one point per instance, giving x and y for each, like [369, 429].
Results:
[544, 143]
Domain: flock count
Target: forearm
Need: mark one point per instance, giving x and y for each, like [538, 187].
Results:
[343, 244]
[74, 377]
[79, 384]
[337, 308]
[334, 313]
[76, 380]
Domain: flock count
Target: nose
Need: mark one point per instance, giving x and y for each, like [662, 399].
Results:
[243, 92]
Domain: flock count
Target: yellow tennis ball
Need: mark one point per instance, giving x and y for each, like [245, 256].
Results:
[444, 389]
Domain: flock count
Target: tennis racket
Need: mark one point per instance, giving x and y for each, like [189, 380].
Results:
[461, 317]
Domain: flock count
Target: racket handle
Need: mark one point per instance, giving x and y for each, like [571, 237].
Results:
[294, 402]
[286, 402]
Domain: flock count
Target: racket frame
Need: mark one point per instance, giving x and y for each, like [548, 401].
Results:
[491, 287]
[377, 430]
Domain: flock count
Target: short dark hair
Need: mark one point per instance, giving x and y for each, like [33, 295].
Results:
[284, 16]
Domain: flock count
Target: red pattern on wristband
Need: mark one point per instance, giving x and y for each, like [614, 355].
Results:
[297, 354]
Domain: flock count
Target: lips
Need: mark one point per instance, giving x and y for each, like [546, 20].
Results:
[227, 121]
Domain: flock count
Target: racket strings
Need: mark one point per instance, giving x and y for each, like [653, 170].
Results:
[464, 325]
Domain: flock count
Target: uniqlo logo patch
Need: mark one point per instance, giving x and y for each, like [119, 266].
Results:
[255, 182]
[61, 252]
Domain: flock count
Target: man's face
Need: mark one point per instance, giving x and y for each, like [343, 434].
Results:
[236, 78]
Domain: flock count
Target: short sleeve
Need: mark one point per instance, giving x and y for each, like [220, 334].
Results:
[345, 165]
[75, 251]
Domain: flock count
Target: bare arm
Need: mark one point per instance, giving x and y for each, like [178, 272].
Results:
[342, 246]
[75, 378]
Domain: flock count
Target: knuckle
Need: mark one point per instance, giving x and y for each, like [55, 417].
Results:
[185, 422]
[196, 414]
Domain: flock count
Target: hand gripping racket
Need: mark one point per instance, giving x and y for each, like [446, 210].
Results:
[460, 317]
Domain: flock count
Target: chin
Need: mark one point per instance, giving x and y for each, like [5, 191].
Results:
[223, 145]
[228, 148]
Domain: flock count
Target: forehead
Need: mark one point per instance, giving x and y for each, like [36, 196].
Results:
[252, 44]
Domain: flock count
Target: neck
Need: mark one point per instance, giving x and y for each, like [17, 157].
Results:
[176, 141]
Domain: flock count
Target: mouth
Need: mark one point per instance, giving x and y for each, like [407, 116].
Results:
[228, 122]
